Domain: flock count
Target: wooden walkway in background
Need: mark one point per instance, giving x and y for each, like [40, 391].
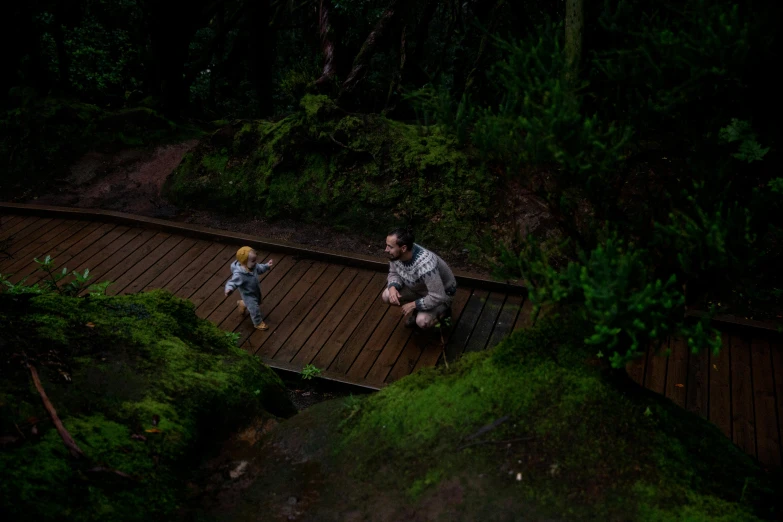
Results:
[326, 312]
[740, 390]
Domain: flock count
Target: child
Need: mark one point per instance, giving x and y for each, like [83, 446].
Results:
[244, 275]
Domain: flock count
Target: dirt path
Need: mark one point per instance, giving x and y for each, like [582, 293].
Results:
[131, 181]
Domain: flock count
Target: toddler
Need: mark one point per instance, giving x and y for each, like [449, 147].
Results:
[244, 276]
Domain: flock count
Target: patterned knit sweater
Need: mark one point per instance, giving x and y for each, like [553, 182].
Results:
[427, 275]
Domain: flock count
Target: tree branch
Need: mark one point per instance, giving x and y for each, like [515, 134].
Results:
[362, 61]
[327, 46]
[76, 452]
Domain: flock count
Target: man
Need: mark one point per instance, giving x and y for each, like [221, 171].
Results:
[419, 281]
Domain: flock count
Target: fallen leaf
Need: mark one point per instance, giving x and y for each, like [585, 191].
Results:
[90, 325]
[715, 367]
[680, 385]
[138, 437]
[153, 430]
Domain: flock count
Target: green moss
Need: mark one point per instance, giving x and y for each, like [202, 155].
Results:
[580, 441]
[358, 172]
[151, 387]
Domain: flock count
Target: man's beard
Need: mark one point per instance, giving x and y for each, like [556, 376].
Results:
[393, 258]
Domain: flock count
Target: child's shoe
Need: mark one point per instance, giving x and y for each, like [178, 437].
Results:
[262, 326]
[241, 306]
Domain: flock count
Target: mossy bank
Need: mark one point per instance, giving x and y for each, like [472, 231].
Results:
[142, 385]
[321, 164]
[537, 429]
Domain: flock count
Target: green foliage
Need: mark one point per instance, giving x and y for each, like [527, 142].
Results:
[150, 387]
[583, 450]
[615, 292]
[310, 371]
[320, 164]
[749, 148]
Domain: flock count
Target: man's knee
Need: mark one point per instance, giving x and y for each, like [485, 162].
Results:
[385, 296]
[425, 321]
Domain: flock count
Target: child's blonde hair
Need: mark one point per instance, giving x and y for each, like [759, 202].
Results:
[243, 253]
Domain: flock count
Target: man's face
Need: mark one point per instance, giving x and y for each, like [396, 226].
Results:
[392, 250]
[252, 257]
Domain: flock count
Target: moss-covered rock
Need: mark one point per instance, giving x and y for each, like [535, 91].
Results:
[322, 164]
[535, 430]
[143, 386]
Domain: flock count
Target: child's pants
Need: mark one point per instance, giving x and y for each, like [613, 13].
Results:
[254, 308]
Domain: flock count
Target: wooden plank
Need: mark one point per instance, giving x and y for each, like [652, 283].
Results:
[243, 325]
[431, 354]
[311, 327]
[720, 387]
[347, 319]
[698, 393]
[776, 352]
[42, 245]
[93, 256]
[23, 233]
[186, 229]
[77, 243]
[169, 273]
[398, 340]
[677, 372]
[325, 374]
[173, 257]
[505, 321]
[17, 227]
[205, 256]
[361, 334]
[144, 263]
[743, 416]
[375, 343]
[486, 323]
[292, 289]
[312, 349]
[525, 318]
[655, 378]
[226, 316]
[220, 260]
[7, 221]
[117, 259]
[125, 269]
[464, 328]
[287, 320]
[636, 368]
[767, 437]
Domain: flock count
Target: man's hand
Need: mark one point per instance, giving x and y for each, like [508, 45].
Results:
[408, 307]
[394, 295]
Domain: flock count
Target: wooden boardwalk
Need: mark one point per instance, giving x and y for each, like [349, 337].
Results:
[325, 309]
[740, 390]
[321, 313]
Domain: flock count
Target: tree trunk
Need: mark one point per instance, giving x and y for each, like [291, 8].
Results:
[63, 61]
[261, 55]
[362, 61]
[416, 72]
[218, 53]
[574, 23]
[471, 77]
[327, 45]
[394, 85]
